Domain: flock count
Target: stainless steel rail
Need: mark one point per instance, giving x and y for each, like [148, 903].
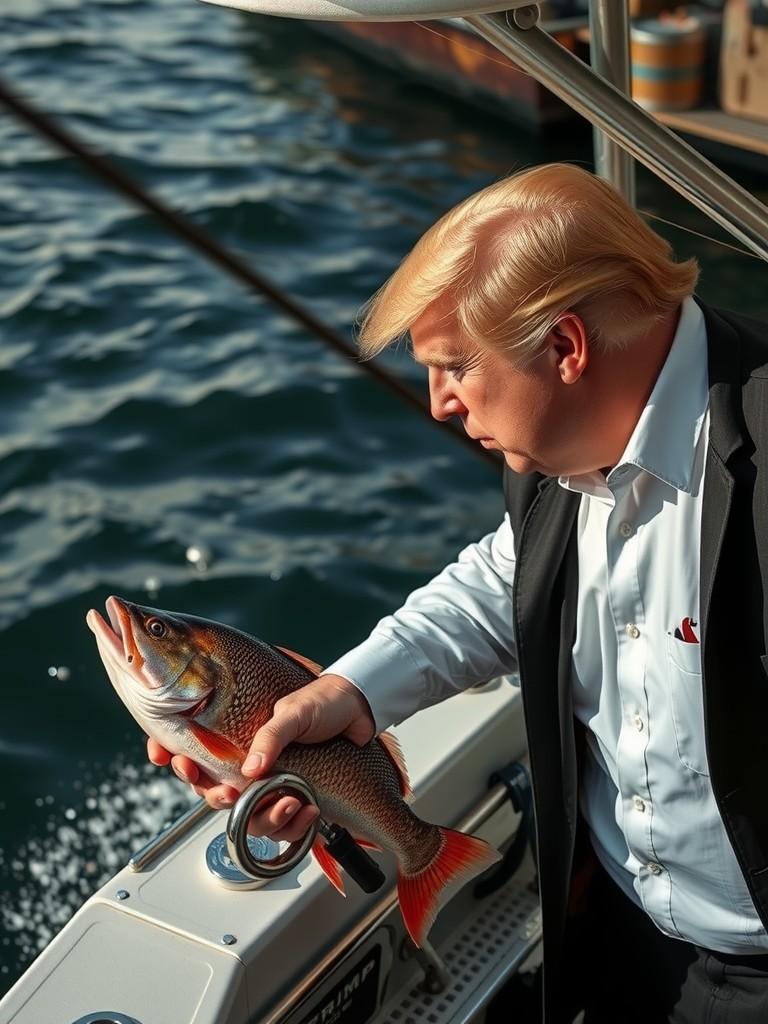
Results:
[655, 146]
[494, 799]
[141, 860]
[609, 57]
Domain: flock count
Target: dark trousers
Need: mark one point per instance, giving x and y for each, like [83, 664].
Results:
[622, 970]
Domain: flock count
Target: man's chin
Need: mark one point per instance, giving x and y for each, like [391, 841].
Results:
[521, 463]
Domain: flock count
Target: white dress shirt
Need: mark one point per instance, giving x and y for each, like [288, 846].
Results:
[645, 789]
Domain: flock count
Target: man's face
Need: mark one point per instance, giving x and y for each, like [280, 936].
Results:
[520, 412]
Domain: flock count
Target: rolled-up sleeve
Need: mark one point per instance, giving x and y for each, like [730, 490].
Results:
[452, 633]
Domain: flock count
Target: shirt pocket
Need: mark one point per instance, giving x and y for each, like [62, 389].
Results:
[687, 701]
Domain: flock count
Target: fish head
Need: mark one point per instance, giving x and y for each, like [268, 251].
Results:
[160, 663]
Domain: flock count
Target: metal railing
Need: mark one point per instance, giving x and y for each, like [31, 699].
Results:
[518, 36]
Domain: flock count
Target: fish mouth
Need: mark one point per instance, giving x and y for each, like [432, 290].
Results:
[106, 635]
[115, 637]
[118, 649]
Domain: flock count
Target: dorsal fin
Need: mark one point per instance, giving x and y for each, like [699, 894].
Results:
[392, 746]
[314, 668]
[217, 744]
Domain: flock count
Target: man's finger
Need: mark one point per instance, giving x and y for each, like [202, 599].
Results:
[190, 772]
[270, 741]
[288, 821]
[157, 755]
[186, 769]
[219, 797]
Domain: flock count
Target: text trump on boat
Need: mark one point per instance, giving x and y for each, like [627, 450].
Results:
[626, 585]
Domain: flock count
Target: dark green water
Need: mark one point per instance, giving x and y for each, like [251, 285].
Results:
[147, 404]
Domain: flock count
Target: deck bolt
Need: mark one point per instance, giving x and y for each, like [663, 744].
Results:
[228, 940]
[122, 894]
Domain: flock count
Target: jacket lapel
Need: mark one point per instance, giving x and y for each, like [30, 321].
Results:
[725, 437]
[546, 626]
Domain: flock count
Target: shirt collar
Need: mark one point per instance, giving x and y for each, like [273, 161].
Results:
[667, 433]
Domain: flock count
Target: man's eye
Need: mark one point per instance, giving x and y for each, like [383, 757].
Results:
[457, 372]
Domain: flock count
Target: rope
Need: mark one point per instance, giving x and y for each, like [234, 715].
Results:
[228, 261]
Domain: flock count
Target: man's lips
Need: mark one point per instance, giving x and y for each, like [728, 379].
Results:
[481, 438]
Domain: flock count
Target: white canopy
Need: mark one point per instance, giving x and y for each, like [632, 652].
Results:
[370, 10]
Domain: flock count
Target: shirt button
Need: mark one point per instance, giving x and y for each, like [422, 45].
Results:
[655, 869]
[638, 803]
[639, 724]
[631, 630]
[625, 529]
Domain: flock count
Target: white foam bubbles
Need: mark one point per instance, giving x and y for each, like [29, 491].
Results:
[75, 851]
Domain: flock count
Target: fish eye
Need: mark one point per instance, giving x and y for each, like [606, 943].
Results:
[156, 628]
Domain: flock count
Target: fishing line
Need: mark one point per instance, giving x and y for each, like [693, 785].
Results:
[699, 234]
[507, 64]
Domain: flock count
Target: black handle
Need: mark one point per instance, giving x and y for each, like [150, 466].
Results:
[359, 866]
[515, 778]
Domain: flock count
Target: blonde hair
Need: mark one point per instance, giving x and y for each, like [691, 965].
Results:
[518, 254]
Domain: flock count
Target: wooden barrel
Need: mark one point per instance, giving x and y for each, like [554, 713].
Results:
[668, 57]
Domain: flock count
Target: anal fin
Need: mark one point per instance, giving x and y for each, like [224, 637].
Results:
[329, 865]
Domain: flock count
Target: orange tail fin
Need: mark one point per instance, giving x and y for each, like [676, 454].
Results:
[459, 858]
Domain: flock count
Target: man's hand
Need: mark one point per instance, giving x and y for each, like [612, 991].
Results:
[327, 707]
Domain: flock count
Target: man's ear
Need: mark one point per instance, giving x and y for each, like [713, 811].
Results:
[570, 347]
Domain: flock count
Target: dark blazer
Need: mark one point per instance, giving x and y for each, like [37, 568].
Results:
[734, 631]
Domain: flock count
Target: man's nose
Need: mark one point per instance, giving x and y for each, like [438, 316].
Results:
[443, 400]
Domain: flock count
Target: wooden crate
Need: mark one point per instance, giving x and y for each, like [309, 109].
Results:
[744, 59]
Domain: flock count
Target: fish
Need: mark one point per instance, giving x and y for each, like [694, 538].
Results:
[202, 688]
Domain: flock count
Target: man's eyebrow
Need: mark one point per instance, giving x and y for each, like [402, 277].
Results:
[439, 362]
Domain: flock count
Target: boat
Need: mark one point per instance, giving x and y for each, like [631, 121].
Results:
[181, 935]
[190, 931]
[450, 57]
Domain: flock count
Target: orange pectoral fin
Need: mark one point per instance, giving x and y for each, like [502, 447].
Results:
[216, 744]
[329, 865]
[307, 663]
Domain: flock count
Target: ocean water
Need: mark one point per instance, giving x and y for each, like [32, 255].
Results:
[150, 407]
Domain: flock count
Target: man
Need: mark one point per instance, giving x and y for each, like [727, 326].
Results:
[627, 584]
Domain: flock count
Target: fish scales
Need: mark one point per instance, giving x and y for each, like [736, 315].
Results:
[203, 689]
[262, 676]
[359, 788]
